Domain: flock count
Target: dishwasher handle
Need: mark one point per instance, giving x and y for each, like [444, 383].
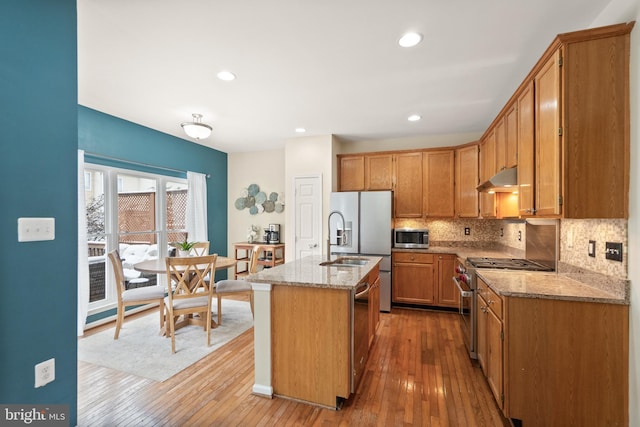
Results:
[363, 294]
[463, 293]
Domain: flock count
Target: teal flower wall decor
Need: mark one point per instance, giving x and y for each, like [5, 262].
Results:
[258, 201]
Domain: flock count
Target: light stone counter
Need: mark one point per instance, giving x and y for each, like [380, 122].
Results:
[545, 285]
[308, 272]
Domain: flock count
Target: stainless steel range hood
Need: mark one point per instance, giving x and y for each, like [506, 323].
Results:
[505, 180]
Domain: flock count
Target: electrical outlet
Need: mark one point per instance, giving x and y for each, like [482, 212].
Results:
[519, 235]
[467, 231]
[502, 232]
[45, 372]
[613, 251]
[592, 248]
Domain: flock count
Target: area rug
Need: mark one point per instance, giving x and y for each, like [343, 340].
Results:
[141, 350]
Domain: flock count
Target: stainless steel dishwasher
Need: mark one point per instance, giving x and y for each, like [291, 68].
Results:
[360, 336]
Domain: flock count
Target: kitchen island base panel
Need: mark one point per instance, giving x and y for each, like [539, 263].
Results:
[311, 343]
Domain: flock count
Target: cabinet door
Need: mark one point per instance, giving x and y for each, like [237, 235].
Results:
[511, 135]
[439, 196]
[413, 283]
[378, 172]
[501, 145]
[408, 186]
[448, 295]
[351, 173]
[487, 170]
[466, 182]
[494, 355]
[481, 330]
[525, 151]
[547, 114]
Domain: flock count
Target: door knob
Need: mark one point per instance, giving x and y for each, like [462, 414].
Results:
[313, 245]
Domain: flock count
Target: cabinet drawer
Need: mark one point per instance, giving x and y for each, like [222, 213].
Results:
[413, 257]
[492, 299]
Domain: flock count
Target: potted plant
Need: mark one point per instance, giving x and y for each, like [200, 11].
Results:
[184, 248]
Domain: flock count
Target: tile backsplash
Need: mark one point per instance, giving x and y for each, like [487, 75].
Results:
[574, 244]
[574, 238]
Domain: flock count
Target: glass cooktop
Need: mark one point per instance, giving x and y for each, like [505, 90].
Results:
[508, 264]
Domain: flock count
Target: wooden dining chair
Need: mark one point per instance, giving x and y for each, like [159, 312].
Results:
[189, 292]
[200, 249]
[131, 297]
[238, 286]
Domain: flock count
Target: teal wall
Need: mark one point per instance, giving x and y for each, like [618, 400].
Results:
[38, 158]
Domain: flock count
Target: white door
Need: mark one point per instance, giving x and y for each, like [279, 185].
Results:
[308, 216]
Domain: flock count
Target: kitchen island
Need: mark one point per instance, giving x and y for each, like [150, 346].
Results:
[304, 330]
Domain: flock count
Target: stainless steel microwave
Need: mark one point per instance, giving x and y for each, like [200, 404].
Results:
[411, 238]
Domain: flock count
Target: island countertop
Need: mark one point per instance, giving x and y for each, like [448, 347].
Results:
[308, 272]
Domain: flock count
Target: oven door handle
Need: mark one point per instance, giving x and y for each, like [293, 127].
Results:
[463, 293]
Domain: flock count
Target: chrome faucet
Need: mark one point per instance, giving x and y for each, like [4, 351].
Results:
[341, 241]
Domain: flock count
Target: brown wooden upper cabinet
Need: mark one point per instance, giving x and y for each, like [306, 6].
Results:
[510, 158]
[581, 109]
[466, 169]
[378, 172]
[439, 194]
[526, 137]
[407, 190]
[351, 176]
[487, 170]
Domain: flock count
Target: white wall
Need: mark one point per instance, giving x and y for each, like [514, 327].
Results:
[265, 168]
[306, 156]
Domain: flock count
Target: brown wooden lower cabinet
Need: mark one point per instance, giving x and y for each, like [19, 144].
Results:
[424, 279]
[555, 362]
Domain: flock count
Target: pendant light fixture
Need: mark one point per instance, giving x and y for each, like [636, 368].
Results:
[196, 129]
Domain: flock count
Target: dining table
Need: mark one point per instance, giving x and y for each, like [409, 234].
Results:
[159, 266]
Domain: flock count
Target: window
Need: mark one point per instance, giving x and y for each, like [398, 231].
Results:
[127, 211]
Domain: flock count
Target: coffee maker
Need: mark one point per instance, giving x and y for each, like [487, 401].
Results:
[273, 234]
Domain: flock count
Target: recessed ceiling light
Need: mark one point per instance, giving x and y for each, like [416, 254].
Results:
[227, 76]
[300, 130]
[410, 39]
[414, 118]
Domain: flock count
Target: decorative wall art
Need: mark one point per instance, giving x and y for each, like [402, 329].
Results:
[258, 201]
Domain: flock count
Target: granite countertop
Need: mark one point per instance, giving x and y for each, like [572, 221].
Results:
[308, 272]
[567, 283]
[551, 285]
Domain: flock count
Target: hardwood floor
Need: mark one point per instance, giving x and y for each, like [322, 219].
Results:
[418, 374]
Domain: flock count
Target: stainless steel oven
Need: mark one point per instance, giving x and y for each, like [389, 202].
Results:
[465, 282]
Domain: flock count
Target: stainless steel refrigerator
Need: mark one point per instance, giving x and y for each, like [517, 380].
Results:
[368, 231]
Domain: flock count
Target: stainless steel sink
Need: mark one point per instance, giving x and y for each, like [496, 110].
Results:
[345, 262]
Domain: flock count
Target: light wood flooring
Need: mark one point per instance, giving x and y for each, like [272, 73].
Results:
[418, 374]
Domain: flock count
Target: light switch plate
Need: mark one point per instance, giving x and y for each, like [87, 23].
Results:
[34, 229]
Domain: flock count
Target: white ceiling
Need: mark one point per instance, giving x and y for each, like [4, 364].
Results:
[330, 66]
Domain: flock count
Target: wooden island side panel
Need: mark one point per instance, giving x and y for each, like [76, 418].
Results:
[311, 343]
